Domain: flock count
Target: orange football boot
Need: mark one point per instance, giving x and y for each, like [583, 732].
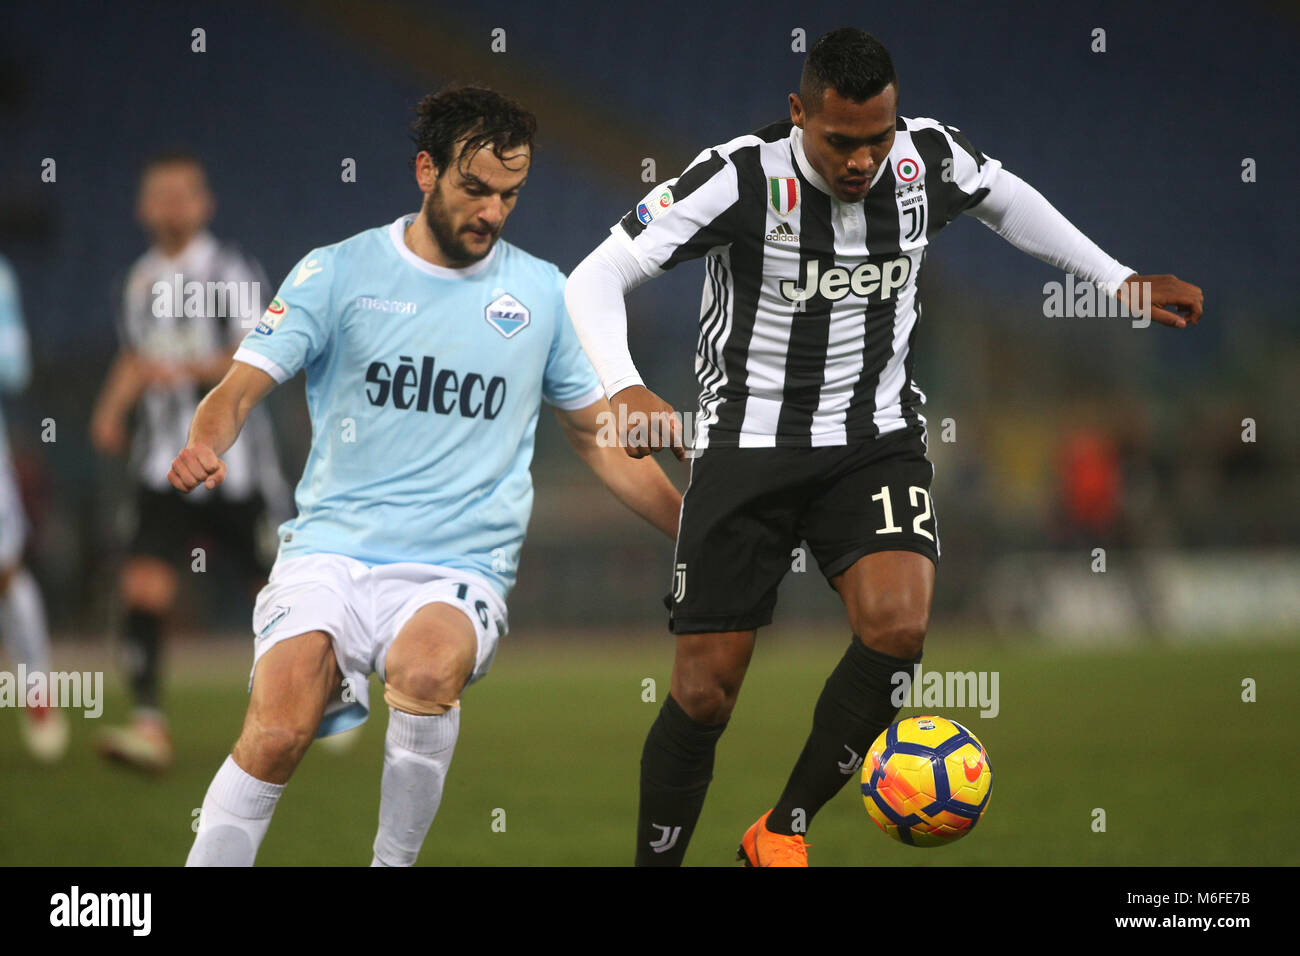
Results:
[761, 847]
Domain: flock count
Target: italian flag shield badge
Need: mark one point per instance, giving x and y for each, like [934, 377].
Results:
[784, 193]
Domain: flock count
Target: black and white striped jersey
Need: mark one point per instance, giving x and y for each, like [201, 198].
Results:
[810, 304]
[189, 308]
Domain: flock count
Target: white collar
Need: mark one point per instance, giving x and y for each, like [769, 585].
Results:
[805, 167]
[397, 233]
[195, 254]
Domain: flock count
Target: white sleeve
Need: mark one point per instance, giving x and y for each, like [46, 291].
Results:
[1018, 213]
[594, 297]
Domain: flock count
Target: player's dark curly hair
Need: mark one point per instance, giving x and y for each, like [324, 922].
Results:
[849, 61]
[481, 117]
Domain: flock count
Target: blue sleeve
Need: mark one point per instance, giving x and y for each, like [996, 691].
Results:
[15, 356]
[569, 380]
[296, 328]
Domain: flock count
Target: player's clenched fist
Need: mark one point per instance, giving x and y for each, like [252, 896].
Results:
[646, 423]
[197, 464]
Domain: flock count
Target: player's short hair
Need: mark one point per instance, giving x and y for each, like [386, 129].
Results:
[479, 116]
[172, 156]
[849, 61]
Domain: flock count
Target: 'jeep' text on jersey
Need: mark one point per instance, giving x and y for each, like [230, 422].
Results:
[810, 303]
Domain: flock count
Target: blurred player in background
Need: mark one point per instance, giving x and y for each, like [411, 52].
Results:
[22, 612]
[185, 305]
[429, 348]
[810, 429]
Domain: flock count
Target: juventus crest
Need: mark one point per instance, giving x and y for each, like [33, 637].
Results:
[679, 583]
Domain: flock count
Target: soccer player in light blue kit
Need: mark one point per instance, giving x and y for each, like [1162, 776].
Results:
[428, 347]
[22, 611]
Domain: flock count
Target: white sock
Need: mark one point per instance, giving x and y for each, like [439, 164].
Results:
[417, 753]
[22, 622]
[236, 813]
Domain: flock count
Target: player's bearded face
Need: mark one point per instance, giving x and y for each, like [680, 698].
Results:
[847, 141]
[468, 205]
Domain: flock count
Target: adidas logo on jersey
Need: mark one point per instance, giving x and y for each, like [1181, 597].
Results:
[782, 233]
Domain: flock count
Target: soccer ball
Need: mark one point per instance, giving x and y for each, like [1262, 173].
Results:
[926, 781]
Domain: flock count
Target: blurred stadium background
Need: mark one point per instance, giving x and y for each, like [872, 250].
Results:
[1070, 434]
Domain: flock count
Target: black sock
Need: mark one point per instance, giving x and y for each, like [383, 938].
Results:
[854, 707]
[676, 769]
[142, 651]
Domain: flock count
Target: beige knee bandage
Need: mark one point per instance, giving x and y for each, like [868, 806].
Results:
[405, 702]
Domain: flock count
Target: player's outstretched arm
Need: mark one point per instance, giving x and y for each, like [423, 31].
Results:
[216, 425]
[121, 390]
[1019, 213]
[594, 297]
[639, 484]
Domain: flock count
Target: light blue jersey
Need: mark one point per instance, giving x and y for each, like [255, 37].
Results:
[424, 386]
[15, 371]
[15, 358]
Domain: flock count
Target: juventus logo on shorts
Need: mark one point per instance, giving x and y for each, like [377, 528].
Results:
[668, 839]
[851, 765]
[679, 583]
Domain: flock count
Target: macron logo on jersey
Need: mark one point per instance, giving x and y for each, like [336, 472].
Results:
[306, 271]
[387, 305]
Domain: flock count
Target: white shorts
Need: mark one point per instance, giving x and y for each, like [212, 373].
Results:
[362, 609]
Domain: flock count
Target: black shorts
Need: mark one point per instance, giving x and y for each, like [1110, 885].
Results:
[169, 526]
[747, 510]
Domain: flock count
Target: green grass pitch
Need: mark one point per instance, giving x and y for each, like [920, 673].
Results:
[1158, 737]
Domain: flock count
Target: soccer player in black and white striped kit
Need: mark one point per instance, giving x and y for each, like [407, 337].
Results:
[185, 305]
[809, 424]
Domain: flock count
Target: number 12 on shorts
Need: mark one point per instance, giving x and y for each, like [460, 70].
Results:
[918, 496]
